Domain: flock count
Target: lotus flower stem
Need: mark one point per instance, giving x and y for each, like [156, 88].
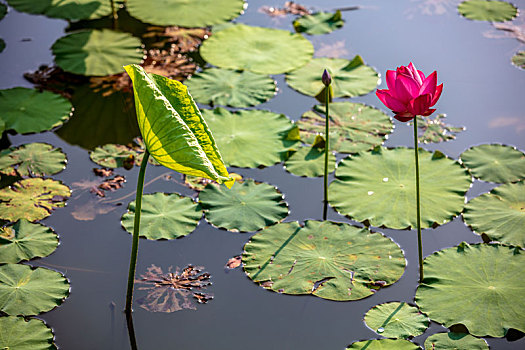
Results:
[136, 225]
[327, 80]
[418, 211]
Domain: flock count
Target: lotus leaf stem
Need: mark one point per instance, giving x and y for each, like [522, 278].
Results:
[326, 150]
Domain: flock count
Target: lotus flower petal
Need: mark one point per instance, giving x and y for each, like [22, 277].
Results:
[420, 105]
[429, 85]
[391, 102]
[436, 95]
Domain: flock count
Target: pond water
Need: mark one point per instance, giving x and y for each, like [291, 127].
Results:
[483, 92]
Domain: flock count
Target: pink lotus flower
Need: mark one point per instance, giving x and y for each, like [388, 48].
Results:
[409, 93]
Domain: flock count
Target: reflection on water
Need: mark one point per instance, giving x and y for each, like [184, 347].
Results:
[516, 123]
[431, 7]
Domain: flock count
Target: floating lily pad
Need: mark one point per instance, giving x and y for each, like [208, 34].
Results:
[17, 333]
[456, 341]
[249, 138]
[483, 10]
[330, 260]
[260, 50]
[354, 127]
[195, 13]
[379, 187]
[349, 78]
[25, 241]
[383, 344]
[495, 163]
[489, 275]
[26, 110]
[32, 199]
[164, 216]
[309, 162]
[113, 156]
[2, 45]
[97, 52]
[319, 23]
[397, 320]
[247, 206]
[231, 88]
[434, 129]
[66, 9]
[33, 159]
[499, 214]
[29, 291]
[519, 59]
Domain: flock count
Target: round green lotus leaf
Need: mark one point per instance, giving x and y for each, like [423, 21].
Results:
[184, 13]
[489, 274]
[495, 163]
[112, 156]
[226, 87]
[67, 9]
[330, 260]
[309, 162]
[17, 333]
[27, 110]
[33, 159]
[519, 59]
[456, 341]
[319, 23]
[396, 320]
[3, 10]
[97, 52]
[354, 127]
[164, 216]
[260, 50]
[483, 10]
[379, 187]
[499, 214]
[249, 138]
[247, 206]
[349, 78]
[383, 344]
[25, 241]
[29, 291]
[32, 199]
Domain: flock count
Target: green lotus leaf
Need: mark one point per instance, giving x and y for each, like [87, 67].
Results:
[2, 46]
[195, 13]
[499, 214]
[483, 10]
[164, 216]
[456, 341]
[29, 291]
[397, 320]
[434, 129]
[354, 127]
[349, 78]
[489, 274]
[383, 344]
[67, 9]
[247, 206]
[309, 162]
[3, 10]
[17, 333]
[32, 199]
[226, 87]
[173, 130]
[33, 159]
[319, 23]
[379, 187]
[25, 241]
[243, 140]
[97, 52]
[495, 163]
[27, 110]
[260, 50]
[519, 59]
[112, 156]
[330, 260]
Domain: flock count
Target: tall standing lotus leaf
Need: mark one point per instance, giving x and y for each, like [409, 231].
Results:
[383, 344]
[33, 159]
[456, 341]
[17, 333]
[396, 320]
[66, 9]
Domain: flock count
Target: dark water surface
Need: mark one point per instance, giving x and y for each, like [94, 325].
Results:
[483, 92]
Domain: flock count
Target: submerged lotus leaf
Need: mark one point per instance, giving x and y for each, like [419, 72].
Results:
[489, 274]
[164, 216]
[434, 129]
[17, 333]
[354, 127]
[97, 52]
[397, 320]
[226, 87]
[66, 9]
[113, 156]
[29, 291]
[456, 341]
[309, 162]
[247, 206]
[379, 187]
[32, 199]
[25, 241]
[184, 13]
[33, 159]
[27, 110]
[383, 344]
[330, 260]
[319, 23]
[260, 50]
[349, 78]
[483, 10]
[495, 163]
[500, 214]
[519, 59]
[250, 138]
